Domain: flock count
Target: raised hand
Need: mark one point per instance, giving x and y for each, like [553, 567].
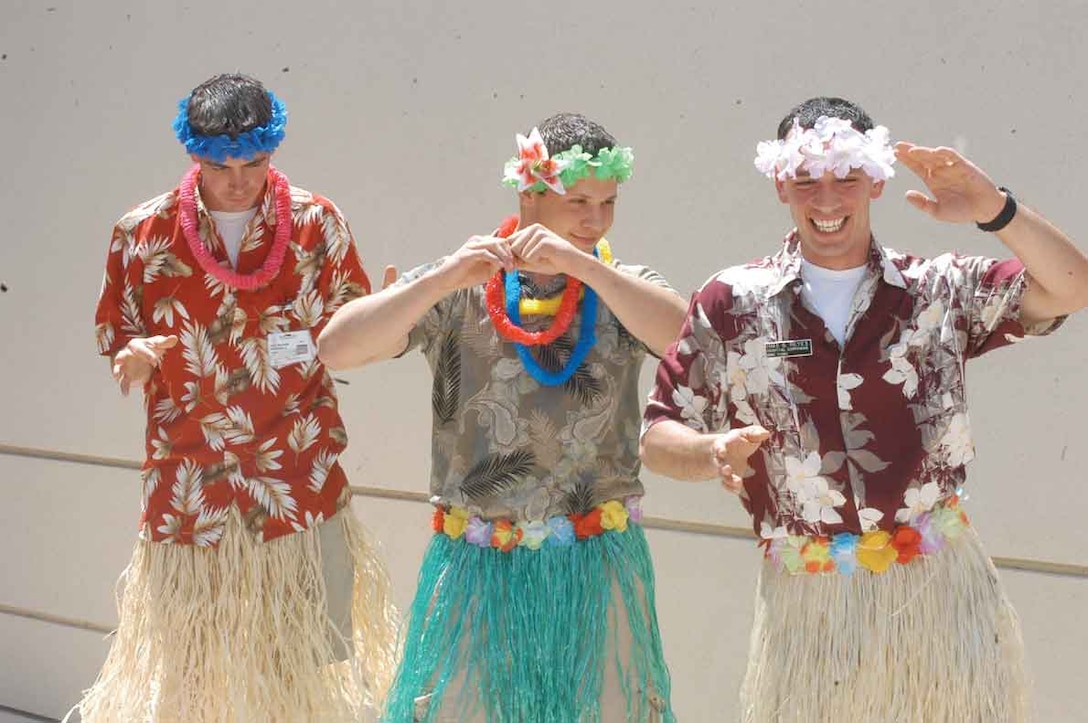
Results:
[961, 191]
[134, 364]
[731, 452]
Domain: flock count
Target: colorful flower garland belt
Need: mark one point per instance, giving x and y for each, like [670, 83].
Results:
[875, 551]
[504, 535]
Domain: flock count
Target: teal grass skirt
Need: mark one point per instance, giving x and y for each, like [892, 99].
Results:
[562, 634]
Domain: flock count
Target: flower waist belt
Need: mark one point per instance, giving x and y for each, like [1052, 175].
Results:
[505, 535]
[875, 551]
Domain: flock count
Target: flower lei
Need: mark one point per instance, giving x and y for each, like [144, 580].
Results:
[507, 318]
[534, 170]
[876, 550]
[550, 306]
[831, 145]
[508, 328]
[558, 531]
[496, 308]
[281, 188]
[262, 139]
[586, 338]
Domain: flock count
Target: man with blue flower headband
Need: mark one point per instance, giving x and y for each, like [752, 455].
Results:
[252, 594]
[824, 384]
[536, 596]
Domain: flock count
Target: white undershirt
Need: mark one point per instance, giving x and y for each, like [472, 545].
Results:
[830, 292]
[231, 226]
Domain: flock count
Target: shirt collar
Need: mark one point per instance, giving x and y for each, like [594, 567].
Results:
[788, 263]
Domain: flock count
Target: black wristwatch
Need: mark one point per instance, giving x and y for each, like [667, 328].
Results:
[1002, 219]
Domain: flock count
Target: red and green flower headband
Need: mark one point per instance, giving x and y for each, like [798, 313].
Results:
[534, 170]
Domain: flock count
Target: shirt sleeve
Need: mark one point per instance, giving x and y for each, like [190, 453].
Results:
[430, 325]
[991, 293]
[118, 317]
[644, 273]
[342, 276]
[690, 386]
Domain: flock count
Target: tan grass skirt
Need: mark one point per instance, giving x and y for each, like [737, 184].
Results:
[934, 640]
[245, 632]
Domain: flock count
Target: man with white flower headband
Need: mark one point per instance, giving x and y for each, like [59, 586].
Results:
[824, 385]
[536, 596]
[251, 594]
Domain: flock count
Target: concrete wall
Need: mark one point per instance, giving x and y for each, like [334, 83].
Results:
[403, 112]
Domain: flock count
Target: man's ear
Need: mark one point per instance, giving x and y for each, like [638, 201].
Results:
[780, 188]
[878, 189]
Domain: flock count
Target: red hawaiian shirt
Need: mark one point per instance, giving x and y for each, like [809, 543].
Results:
[228, 423]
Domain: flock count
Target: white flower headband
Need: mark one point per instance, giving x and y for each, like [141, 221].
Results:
[831, 145]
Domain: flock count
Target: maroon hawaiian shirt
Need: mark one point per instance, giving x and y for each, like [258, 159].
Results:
[864, 436]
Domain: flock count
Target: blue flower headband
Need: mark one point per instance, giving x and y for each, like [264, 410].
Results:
[262, 139]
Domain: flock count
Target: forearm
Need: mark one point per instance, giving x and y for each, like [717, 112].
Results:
[376, 327]
[1058, 269]
[652, 313]
[677, 451]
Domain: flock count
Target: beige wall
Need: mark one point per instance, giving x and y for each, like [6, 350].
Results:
[403, 113]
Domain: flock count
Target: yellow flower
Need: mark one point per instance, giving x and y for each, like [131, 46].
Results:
[614, 516]
[455, 522]
[875, 552]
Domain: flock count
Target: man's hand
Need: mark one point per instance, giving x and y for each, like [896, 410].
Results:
[731, 452]
[961, 191]
[539, 250]
[389, 277]
[134, 364]
[476, 262]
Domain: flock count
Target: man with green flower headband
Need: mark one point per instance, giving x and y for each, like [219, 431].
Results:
[536, 596]
[824, 385]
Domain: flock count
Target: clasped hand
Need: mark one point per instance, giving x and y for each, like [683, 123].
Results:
[534, 249]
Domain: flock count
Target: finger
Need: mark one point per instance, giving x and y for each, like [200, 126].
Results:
[902, 148]
[755, 434]
[490, 259]
[915, 158]
[163, 342]
[389, 276]
[733, 484]
[124, 383]
[526, 251]
[505, 258]
[922, 202]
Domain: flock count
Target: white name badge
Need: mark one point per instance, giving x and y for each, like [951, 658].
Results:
[290, 347]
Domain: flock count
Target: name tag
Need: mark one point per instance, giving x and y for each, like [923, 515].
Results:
[290, 347]
[790, 347]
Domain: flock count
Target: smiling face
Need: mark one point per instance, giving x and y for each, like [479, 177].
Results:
[582, 215]
[832, 216]
[236, 184]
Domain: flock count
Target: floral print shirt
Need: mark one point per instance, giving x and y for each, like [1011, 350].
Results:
[506, 447]
[864, 436]
[225, 426]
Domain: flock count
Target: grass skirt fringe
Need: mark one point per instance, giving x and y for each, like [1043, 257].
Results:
[241, 633]
[563, 634]
[933, 640]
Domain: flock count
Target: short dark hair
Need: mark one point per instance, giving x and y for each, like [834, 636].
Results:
[809, 112]
[229, 104]
[564, 130]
